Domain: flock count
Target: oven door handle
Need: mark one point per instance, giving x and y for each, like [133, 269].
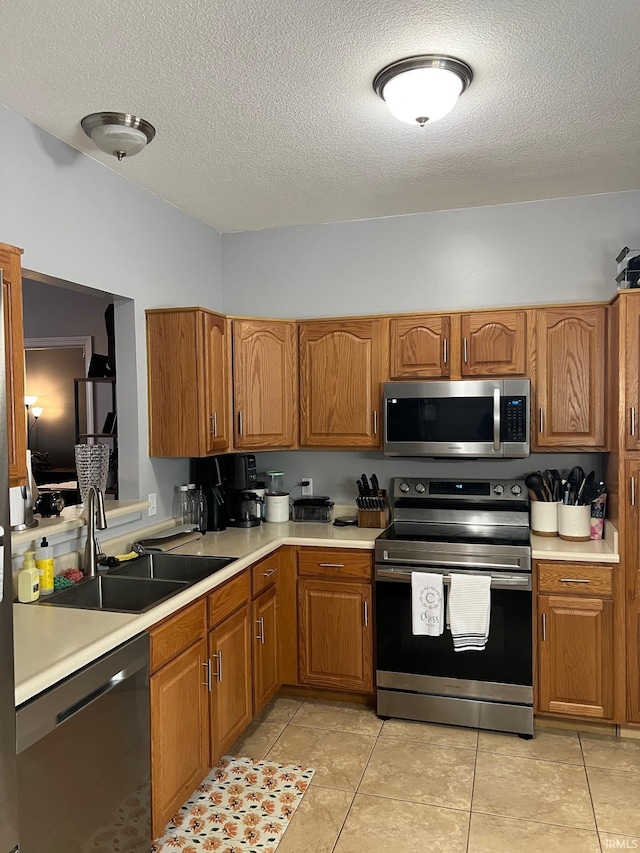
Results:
[513, 565]
[497, 581]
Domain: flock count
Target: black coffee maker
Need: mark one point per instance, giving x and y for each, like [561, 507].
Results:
[209, 473]
[228, 482]
[241, 479]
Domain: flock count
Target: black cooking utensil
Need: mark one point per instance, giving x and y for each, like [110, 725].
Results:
[535, 483]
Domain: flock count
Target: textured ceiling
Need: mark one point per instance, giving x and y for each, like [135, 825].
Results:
[266, 116]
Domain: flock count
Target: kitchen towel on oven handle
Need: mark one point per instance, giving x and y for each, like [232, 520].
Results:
[469, 611]
[427, 604]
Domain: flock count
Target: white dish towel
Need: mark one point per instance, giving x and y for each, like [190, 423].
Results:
[427, 604]
[469, 611]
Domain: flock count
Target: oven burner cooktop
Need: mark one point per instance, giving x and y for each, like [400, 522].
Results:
[482, 536]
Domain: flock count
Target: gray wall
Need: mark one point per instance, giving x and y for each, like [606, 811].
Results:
[516, 254]
[57, 312]
[82, 222]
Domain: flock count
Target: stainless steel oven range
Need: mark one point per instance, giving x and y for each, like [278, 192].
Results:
[447, 527]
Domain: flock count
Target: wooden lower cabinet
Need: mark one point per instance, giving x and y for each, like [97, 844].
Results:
[335, 640]
[231, 705]
[179, 733]
[266, 679]
[575, 655]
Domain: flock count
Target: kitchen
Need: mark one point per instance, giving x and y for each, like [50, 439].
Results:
[490, 253]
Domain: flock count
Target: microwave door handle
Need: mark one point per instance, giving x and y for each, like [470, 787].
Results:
[496, 419]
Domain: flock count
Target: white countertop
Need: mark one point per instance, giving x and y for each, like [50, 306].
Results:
[53, 642]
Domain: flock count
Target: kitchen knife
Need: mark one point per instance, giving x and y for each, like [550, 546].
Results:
[365, 485]
[375, 485]
[360, 489]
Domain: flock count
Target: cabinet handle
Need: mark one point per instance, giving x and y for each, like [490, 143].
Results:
[544, 626]
[633, 491]
[218, 673]
[633, 420]
[375, 422]
[444, 351]
[465, 350]
[332, 565]
[541, 411]
[366, 614]
[574, 580]
[239, 423]
[260, 624]
[269, 573]
[214, 424]
[207, 683]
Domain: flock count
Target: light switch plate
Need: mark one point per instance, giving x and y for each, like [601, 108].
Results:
[153, 503]
[307, 491]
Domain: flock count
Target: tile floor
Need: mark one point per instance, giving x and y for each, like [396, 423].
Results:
[411, 787]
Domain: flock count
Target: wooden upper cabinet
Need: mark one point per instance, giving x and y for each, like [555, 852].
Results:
[570, 377]
[14, 357]
[188, 376]
[341, 371]
[419, 347]
[494, 343]
[265, 383]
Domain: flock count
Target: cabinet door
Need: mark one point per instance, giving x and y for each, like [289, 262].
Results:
[494, 343]
[187, 376]
[335, 637]
[265, 648]
[419, 347]
[14, 370]
[216, 372]
[265, 383]
[631, 343]
[179, 733]
[340, 381]
[576, 655]
[570, 392]
[231, 708]
[630, 510]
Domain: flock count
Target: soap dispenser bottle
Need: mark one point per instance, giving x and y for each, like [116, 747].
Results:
[28, 579]
[44, 564]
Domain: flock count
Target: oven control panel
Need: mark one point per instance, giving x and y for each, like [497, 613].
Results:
[451, 490]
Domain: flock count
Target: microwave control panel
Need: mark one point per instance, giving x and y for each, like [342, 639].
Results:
[514, 419]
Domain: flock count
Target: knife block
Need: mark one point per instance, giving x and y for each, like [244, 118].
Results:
[374, 517]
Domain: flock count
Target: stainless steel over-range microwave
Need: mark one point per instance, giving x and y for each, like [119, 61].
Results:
[476, 418]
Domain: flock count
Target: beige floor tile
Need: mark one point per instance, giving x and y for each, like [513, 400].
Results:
[546, 791]
[618, 842]
[256, 740]
[616, 799]
[421, 772]
[430, 733]
[317, 822]
[490, 834]
[338, 716]
[546, 744]
[280, 709]
[338, 758]
[378, 825]
[612, 753]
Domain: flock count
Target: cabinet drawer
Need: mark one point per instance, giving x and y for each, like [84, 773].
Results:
[228, 597]
[335, 563]
[265, 573]
[575, 578]
[176, 634]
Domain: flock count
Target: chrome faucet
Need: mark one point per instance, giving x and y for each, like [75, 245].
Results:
[95, 519]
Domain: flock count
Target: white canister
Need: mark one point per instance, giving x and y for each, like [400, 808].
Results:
[544, 518]
[574, 523]
[276, 508]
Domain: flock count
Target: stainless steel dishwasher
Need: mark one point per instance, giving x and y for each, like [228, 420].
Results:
[83, 759]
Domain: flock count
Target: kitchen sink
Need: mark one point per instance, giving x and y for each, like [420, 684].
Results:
[119, 594]
[172, 567]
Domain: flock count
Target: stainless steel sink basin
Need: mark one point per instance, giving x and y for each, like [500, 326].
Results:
[172, 567]
[119, 594]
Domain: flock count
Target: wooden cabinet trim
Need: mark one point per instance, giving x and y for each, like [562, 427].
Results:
[575, 578]
[265, 573]
[14, 367]
[339, 563]
[229, 597]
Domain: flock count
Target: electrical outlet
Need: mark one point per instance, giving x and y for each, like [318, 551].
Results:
[153, 503]
[307, 491]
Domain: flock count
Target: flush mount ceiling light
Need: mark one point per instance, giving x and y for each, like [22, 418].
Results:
[422, 89]
[120, 134]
